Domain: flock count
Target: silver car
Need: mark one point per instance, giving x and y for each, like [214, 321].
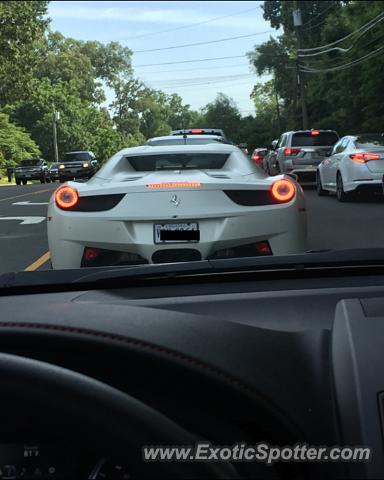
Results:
[356, 164]
[300, 153]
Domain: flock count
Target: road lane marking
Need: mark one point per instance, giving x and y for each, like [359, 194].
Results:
[25, 194]
[25, 220]
[28, 202]
[38, 263]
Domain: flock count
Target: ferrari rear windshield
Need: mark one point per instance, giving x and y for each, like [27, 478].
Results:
[179, 161]
[311, 139]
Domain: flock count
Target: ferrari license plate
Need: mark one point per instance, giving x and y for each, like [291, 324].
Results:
[176, 232]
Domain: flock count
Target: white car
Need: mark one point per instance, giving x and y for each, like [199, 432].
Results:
[356, 164]
[175, 204]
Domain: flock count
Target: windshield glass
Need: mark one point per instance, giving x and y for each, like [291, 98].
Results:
[182, 161]
[187, 141]
[281, 103]
[73, 157]
[30, 163]
[308, 139]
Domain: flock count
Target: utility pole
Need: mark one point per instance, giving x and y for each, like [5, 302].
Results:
[297, 23]
[55, 119]
[277, 104]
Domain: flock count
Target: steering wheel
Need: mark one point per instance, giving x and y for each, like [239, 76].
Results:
[120, 418]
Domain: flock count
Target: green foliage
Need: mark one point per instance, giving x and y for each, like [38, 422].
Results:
[141, 111]
[22, 25]
[82, 125]
[88, 62]
[15, 143]
[350, 100]
[223, 113]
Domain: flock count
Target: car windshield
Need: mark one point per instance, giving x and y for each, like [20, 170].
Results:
[30, 163]
[188, 141]
[73, 157]
[309, 139]
[281, 104]
[179, 161]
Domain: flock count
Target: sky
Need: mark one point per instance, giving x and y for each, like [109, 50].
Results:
[142, 25]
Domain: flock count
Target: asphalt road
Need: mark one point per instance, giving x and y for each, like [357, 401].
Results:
[23, 239]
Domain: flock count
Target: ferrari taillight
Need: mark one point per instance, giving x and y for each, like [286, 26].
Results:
[283, 190]
[66, 197]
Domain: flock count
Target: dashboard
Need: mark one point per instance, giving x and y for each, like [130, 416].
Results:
[41, 461]
[281, 361]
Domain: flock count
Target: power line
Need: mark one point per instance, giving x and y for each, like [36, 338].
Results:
[314, 26]
[372, 54]
[185, 81]
[319, 15]
[345, 50]
[203, 43]
[341, 39]
[189, 61]
[349, 56]
[192, 25]
[200, 68]
[205, 84]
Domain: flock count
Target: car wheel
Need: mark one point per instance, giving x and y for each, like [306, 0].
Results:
[24, 182]
[341, 195]
[319, 187]
[48, 180]
[42, 180]
[18, 182]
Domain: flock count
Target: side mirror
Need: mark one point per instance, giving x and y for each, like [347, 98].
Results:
[243, 145]
[274, 144]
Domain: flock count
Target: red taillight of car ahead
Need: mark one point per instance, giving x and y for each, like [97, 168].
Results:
[364, 157]
[90, 254]
[197, 130]
[257, 158]
[291, 151]
[283, 190]
[315, 132]
[66, 197]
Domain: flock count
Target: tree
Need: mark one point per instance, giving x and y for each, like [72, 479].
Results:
[89, 63]
[82, 125]
[15, 143]
[223, 113]
[22, 25]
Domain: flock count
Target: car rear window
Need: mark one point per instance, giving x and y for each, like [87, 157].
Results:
[307, 139]
[73, 157]
[189, 141]
[179, 161]
[30, 163]
[199, 131]
[370, 141]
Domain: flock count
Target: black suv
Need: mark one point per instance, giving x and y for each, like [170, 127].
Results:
[32, 169]
[76, 165]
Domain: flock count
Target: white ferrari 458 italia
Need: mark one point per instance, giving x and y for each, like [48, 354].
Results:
[175, 204]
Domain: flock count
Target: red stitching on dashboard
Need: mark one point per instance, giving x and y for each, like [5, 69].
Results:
[137, 343]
